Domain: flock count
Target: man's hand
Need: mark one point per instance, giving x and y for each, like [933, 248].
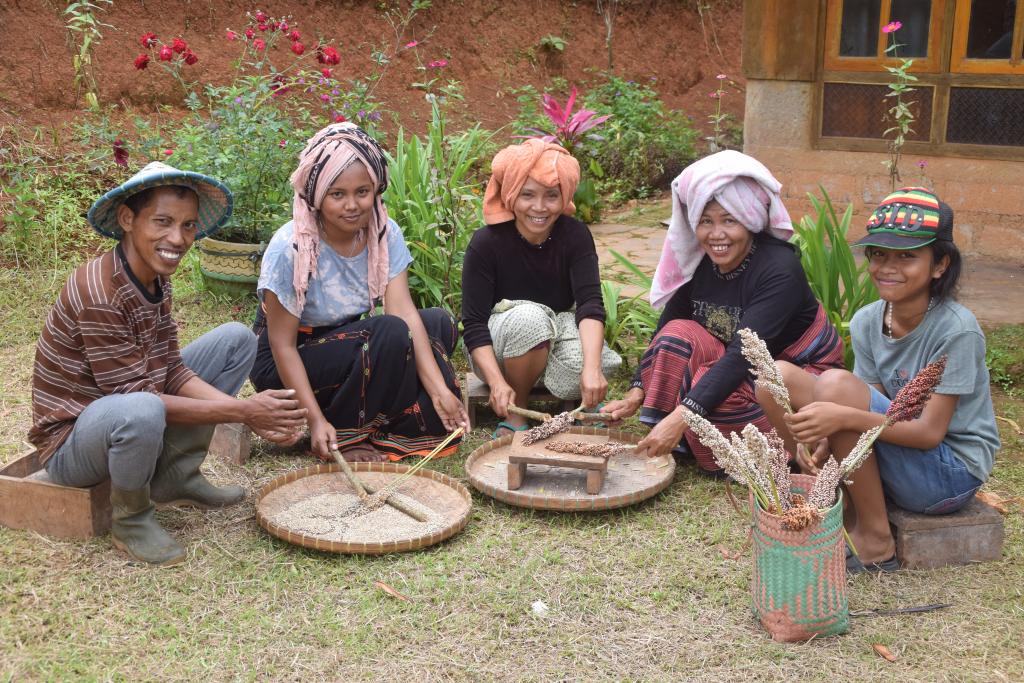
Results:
[275, 411]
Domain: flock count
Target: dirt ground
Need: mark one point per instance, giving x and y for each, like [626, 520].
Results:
[492, 47]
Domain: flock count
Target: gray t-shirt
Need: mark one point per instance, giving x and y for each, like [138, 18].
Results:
[948, 329]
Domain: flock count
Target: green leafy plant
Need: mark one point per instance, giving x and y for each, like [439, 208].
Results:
[725, 133]
[1004, 356]
[630, 320]
[82, 22]
[552, 43]
[436, 199]
[841, 284]
[900, 115]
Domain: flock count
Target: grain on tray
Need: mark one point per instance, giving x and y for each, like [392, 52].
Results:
[342, 517]
[597, 450]
[556, 425]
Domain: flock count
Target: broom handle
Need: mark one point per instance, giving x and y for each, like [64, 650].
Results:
[362, 489]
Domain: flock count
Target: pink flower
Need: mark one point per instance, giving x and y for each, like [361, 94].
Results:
[262, 27]
[148, 39]
[892, 27]
[259, 43]
[295, 35]
[179, 45]
[142, 61]
[715, 95]
[721, 77]
[282, 144]
[273, 26]
[190, 57]
[298, 48]
[166, 53]
[261, 16]
[168, 152]
[249, 33]
[922, 164]
[231, 35]
[327, 55]
[412, 43]
[438, 64]
[326, 72]
[283, 27]
[120, 153]
[325, 98]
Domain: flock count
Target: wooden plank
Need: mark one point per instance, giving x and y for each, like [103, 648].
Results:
[516, 474]
[22, 467]
[595, 480]
[54, 510]
[574, 460]
[780, 39]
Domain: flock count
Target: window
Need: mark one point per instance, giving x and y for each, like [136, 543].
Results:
[969, 97]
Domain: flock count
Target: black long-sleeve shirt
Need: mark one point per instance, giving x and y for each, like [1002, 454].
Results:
[559, 273]
[768, 293]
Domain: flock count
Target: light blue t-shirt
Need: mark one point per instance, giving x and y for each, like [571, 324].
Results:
[339, 290]
[950, 330]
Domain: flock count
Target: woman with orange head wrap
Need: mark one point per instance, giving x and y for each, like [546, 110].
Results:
[531, 291]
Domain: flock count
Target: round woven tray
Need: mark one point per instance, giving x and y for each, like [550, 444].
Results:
[436, 490]
[631, 478]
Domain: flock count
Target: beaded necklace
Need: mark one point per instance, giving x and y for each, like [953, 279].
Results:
[887, 326]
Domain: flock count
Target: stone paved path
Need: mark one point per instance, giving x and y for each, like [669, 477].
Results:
[993, 290]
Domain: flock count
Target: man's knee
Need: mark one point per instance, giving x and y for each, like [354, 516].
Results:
[239, 338]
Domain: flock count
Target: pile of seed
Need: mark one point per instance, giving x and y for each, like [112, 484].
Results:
[342, 517]
[556, 425]
[597, 450]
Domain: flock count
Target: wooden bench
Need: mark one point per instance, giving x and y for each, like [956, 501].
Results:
[29, 500]
[972, 534]
[595, 467]
[477, 393]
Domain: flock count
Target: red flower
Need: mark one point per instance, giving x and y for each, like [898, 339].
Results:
[327, 55]
[142, 61]
[231, 35]
[273, 26]
[326, 72]
[338, 118]
[168, 152]
[179, 45]
[261, 16]
[262, 27]
[120, 153]
[298, 48]
[438, 64]
[259, 43]
[190, 57]
[148, 39]
[294, 35]
[249, 33]
[283, 26]
[166, 53]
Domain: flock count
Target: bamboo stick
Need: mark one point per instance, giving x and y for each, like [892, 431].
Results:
[529, 414]
[363, 490]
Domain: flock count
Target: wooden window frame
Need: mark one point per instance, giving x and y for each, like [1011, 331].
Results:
[833, 29]
[870, 70]
[959, 63]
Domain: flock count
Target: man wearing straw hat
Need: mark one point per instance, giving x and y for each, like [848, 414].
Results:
[112, 396]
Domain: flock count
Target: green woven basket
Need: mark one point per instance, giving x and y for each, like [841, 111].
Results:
[799, 586]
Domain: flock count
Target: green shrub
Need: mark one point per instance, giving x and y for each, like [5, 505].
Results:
[1005, 356]
[629, 320]
[435, 198]
[841, 285]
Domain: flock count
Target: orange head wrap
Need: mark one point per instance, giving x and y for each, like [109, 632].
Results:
[547, 163]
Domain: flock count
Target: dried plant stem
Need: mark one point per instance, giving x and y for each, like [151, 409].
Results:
[529, 414]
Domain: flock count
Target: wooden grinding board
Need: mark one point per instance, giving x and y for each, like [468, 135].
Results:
[631, 478]
[438, 491]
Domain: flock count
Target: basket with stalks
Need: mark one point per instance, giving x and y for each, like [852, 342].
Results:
[797, 519]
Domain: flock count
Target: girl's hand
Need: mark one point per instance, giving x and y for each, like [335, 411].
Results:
[816, 421]
[502, 397]
[664, 437]
[808, 461]
[451, 411]
[593, 387]
[323, 438]
[626, 406]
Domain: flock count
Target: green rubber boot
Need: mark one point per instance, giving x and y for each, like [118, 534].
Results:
[177, 479]
[134, 529]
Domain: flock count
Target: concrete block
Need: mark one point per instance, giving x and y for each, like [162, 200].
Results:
[231, 442]
[973, 534]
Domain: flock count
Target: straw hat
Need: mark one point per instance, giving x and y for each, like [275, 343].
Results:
[215, 201]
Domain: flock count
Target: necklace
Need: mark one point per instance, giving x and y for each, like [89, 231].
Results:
[887, 326]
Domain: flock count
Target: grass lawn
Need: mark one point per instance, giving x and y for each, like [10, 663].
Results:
[645, 593]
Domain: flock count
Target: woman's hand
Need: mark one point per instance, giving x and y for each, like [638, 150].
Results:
[502, 396]
[593, 387]
[809, 461]
[451, 411]
[323, 438]
[816, 421]
[664, 437]
[626, 406]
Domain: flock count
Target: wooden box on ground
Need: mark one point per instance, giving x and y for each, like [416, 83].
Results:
[477, 393]
[972, 534]
[231, 442]
[28, 500]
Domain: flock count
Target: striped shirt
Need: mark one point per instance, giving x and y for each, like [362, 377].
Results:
[105, 335]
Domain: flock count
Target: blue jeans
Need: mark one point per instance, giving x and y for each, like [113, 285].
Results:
[121, 436]
[933, 482]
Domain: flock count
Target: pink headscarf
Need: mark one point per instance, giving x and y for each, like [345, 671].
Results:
[743, 187]
[326, 156]
[547, 163]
